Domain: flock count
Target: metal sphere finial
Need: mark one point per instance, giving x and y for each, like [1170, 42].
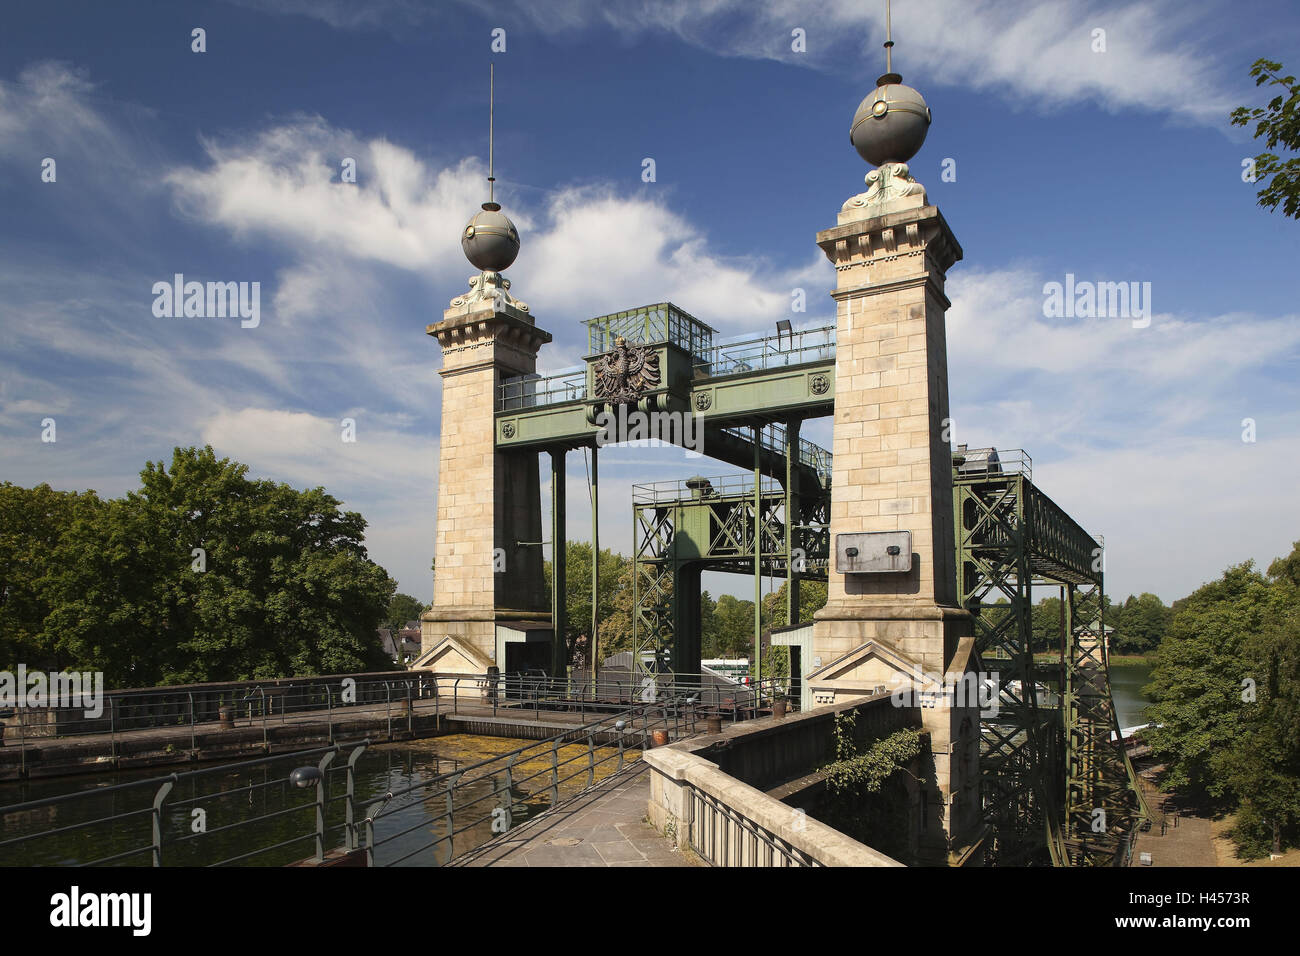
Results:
[490, 239]
[892, 121]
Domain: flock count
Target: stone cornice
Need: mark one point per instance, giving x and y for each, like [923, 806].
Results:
[884, 238]
[501, 337]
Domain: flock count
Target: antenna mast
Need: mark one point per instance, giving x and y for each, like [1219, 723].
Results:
[889, 41]
[492, 97]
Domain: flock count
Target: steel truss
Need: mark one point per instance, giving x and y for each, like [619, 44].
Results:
[680, 531]
[1046, 769]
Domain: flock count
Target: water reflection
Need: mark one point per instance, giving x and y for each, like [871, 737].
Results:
[253, 816]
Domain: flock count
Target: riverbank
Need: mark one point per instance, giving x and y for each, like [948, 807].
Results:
[1131, 660]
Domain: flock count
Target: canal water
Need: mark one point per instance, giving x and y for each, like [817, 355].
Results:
[1126, 683]
[283, 814]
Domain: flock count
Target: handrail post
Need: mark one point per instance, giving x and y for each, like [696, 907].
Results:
[450, 816]
[329, 710]
[510, 792]
[266, 739]
[350, 829]
[388, 707]
[555, 772]
[156, 817]
[410, 710]
[112, 730]
[320, 806]
[591, 761]
[193, 742]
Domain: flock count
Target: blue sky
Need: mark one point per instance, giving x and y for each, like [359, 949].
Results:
[224, 165]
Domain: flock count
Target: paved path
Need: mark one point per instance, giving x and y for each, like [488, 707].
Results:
[603, 827]
[1190, 843]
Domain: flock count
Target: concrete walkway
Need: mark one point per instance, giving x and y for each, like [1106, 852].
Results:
[602, 827]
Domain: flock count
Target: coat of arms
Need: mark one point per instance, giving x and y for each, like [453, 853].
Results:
[626, 371]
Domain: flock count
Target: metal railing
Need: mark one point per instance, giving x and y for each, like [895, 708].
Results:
[650, 325]
[181, 714]
[772, 436]
[157, 821]
[583, 695]
[720, 486]
[981, 463]
[486, 799]
[534, 391]
[797, 347]
[157, 827]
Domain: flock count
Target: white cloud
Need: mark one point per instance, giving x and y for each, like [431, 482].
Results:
[1136, 432]
[1040, 55]
[588, 251]
[285, 183]
[1176, 512]
[600, 252]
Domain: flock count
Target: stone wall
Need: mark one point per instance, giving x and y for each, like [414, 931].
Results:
[707, 793]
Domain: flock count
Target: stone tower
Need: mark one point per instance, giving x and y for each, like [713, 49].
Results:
[881, 627]
[489, 590]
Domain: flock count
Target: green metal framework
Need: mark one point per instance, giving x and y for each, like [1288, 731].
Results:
[1048, 760]
[686, 527]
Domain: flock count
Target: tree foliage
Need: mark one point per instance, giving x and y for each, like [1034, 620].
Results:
[1226, 693]
[401, 609]
[1277, 123]
[202, 574]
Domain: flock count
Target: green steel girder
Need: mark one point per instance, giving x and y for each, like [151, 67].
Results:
[996, 555]
[762, 395]
[1046, 766]
[715, 531]
[1103, 802]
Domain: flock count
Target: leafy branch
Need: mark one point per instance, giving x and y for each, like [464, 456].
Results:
[1278, 122]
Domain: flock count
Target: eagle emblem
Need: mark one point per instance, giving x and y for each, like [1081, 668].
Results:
[626, 371]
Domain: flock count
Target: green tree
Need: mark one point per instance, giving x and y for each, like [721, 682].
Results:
[403, 608]
[812, 598]
[1196, 678]
[207, 575]
[615, 578]
[1278, 123]
[734, 621]
[1140, 624]
[33, 522]
[1264, 770]
[1045, 622]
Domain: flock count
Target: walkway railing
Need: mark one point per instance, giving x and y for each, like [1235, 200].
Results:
[540, 694]
[491, 797]
[173, 820]
[797, 347]
[180, 713]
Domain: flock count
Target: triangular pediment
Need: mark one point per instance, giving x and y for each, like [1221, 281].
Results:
[868, 668]
[450, 656]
